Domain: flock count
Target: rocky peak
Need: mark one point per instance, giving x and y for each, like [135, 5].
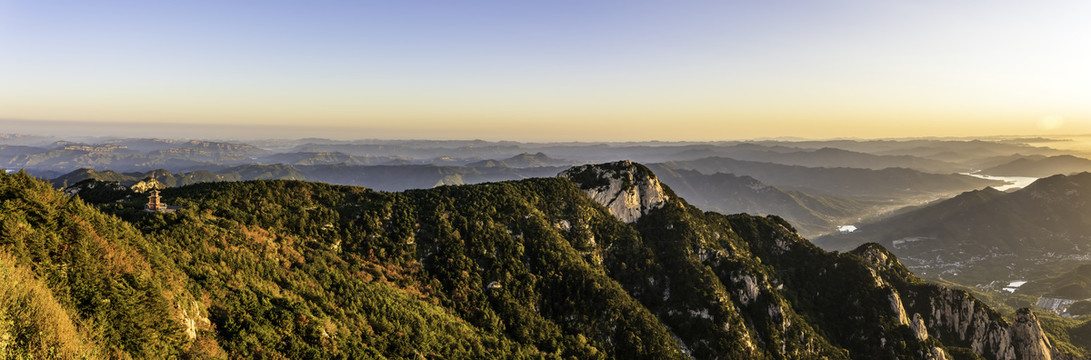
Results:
[628, 189]
[1028, 338]
[148, 183]
[881, 259]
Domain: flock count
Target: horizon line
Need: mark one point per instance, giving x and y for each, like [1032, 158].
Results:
[143, 127]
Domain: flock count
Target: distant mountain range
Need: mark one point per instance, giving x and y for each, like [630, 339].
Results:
[147, 154]
[849, 182]
[524, 160]
[809, 213]
[826, 157]
[969, 153]
[987, 235]
[55, 155]
[325, 158]
[816, 185]
[1041, 167]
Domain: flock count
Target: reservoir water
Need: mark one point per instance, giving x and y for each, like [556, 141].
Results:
[1016, 182]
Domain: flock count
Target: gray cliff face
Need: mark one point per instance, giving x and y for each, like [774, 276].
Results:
[629, 190]
[956, 313]
[956, 318]
[1027, 337]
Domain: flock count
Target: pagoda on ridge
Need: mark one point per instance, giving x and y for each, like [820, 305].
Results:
[155, 203]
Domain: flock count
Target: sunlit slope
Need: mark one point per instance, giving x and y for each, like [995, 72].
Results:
[89, 283]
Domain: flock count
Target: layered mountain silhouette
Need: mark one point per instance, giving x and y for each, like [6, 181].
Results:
[825, 157]
[524, 160]
[323, 158]
[1041, 167]
[986, 235]
[808, 211]
[851, 182]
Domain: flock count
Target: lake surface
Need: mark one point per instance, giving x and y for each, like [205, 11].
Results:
[1016, 182]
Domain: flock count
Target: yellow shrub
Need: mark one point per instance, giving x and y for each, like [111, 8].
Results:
[32, 323]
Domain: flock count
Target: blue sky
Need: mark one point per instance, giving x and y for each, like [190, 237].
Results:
[612, 70]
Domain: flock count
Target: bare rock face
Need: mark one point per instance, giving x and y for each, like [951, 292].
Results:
[629, 190]
[899, 309]
[958, 318]
[959, 314]
[1027, 337]
[919, 329]
[147, 184]
[192, 319]
[956, 314]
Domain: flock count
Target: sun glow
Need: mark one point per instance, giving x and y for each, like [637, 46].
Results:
[1051, 122]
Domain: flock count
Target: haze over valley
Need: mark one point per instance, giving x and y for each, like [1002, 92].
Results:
[815, 185]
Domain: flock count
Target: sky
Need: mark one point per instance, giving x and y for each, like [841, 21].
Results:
[556, 70]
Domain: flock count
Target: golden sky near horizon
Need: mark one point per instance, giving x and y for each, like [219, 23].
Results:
[562, 70]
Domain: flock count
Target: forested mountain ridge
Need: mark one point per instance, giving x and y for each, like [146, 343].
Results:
[377, 177]
[79, 283]
[519, 269]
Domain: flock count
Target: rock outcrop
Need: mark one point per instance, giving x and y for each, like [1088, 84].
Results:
[960, 319]
[1027, 337]
[147, 184]
[956, 318]
[629, 190]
